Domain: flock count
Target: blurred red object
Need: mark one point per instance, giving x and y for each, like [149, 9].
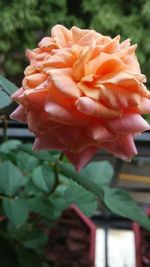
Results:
[142, 244]
[72, 240]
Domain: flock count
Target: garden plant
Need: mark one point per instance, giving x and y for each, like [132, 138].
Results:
[37, 185]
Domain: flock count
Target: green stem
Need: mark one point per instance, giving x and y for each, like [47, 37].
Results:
[5, 126]
[56, 173]
[61, 156]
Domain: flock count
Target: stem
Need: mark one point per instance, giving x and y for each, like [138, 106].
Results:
[61, 156]
[56, 173]
[6, 196]
[5, 126]
[55, 169]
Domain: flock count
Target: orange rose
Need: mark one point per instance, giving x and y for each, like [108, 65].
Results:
[83, 91]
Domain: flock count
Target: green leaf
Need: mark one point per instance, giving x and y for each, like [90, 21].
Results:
[100, 172]
[16, 210]
[8, 87]
[41, 155]
[85, 200]
[60, 189]
[11, 179]
[31, 189]
[17, 232]
[120, 202]
[26, 162]
[43, 178]
[36, 240]
[4, 99]
[57, 202]
[83, 178]
[116, 200]
[43, 208]
[10, 145]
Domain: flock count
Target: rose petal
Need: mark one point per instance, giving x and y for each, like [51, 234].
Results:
[104, 64]
[64, 116]
[126, 80]
[47, 43]
[95, 109]
[47, 141]
[116, 97]
[59, 60]
[54, 95]
[63, 81]
[112, 46]
[33, 98]
[123, 148]
[77, 34]
[100, 133]
[128, 123]
[91, 92]
[88, 40]
[82, 158]
[62, 35]
[78, 67]
[19, 114]
[40, 123]
[30, 70]
[125, 43]
[103, 40]
[17, 94]
[144, 106]
[75, 139]
[132, 64]
[33, 80]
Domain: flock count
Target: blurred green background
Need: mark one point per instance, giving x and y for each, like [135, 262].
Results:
[24, 23]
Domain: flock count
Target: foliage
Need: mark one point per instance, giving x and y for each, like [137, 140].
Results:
[31, 194]
[34, 192]
[23, 23]
[121, 17]
[6, 90]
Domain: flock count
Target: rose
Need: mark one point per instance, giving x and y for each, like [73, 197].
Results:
[83, 91]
